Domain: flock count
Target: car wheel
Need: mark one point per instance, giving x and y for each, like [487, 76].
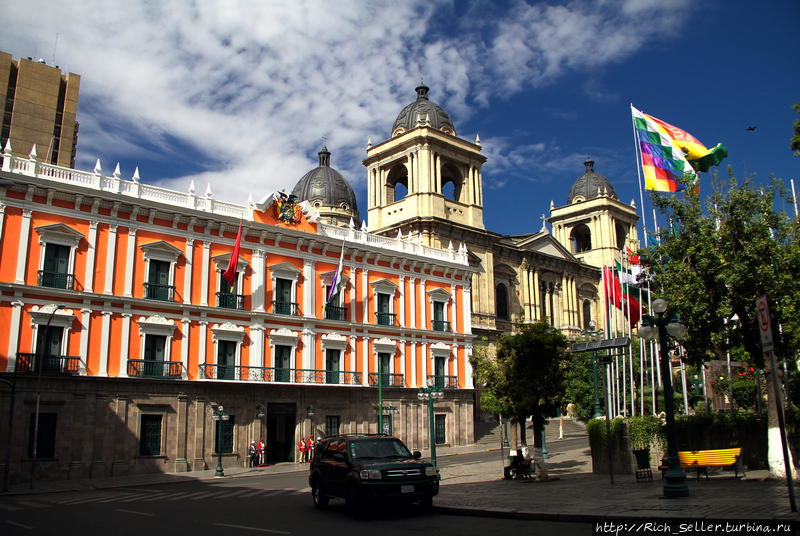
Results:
[320, 500]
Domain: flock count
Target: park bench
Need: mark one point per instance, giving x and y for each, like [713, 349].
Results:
[701, 460]
[523, 471]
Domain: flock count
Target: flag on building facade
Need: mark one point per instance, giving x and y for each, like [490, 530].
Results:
[663, 162]
[229, 274]
[336, 281]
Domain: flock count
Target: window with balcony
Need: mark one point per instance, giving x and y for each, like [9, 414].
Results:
[150, 434]
[228, 297]
[333, 360]
[226, 360]
[439, 300]
[284, 288]
[333, 308]
[51, 334]
[385, 368]
[154, 360]
[439, 367]
[59, 242]
[283, 362]
[383, 315]
[160, 260]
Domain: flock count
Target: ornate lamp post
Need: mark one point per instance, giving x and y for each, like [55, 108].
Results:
[667, 326]
[430, 393]
[40, 357]
[219, 415]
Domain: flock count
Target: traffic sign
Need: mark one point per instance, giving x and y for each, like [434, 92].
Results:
[764, 324]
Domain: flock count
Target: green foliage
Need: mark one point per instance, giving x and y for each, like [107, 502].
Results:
[719, 256]
[598, 438]
[795, 141]
[578, 385]
[645, 431]
[744, 388]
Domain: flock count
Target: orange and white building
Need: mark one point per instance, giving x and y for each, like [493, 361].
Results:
[115, 318]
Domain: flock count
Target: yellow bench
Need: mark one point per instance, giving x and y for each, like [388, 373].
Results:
[701, 460]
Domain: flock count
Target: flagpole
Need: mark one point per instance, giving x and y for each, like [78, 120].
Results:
[794, 198]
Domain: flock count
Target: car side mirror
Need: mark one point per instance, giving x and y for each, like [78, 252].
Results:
[417, 455]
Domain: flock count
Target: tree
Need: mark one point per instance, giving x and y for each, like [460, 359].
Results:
[526, 378]
[795, 142]
[713, 262]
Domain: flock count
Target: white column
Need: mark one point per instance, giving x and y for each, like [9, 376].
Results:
[124, 345]
[13, 336]
[130, 257]
[111, 259]
[467, 293]
[365, 360]
[309, 290]
[2, 217]
[402, 302]
[365, 293]
[451, 313]
[403, 362]
[423, 302]
[185, 326]
[309, 349]
[104, 340]
[467, 368]
[259, 277]
[257, 346]
[187, 276]
[204, 280]
[91, 250]
[413, 382]
[22, 250]
[86, 319]
[352, 275]
[201, 348]
[412, 302]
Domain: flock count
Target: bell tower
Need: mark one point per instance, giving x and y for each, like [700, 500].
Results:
[424, 174]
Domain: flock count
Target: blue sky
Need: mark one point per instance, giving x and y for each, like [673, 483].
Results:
[239, 95]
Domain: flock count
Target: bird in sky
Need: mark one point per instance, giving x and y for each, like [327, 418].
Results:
[751, 128]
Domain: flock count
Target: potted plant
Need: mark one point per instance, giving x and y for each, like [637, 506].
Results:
[643, 432]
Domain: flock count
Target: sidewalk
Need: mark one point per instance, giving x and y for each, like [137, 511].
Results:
[572, 494]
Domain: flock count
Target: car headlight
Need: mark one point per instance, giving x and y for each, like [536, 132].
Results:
[430, 471]
[370, 474]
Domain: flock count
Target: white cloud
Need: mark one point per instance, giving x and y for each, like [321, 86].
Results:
[248, 89]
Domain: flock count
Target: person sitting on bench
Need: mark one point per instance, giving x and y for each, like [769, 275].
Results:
[516, 465]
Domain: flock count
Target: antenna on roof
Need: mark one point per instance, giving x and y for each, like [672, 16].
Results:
[55, 45]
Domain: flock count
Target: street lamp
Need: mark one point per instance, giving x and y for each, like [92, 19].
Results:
[592, 333]
[667, 325]
[430, 393]
[40, 356]
[219, 415]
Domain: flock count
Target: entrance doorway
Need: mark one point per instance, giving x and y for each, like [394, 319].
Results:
[280, 432]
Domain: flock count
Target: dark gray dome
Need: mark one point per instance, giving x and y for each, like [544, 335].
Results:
[324, 187]
[439, 119]
[590, 185]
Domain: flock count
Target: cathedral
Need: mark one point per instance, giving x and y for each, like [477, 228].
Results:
[424, 185]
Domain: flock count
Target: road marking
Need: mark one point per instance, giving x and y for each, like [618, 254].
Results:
[235, 493]
[181, 495]
[134, 512]
[304, 490]
[258, 529]
[20, 525]
[204, 495]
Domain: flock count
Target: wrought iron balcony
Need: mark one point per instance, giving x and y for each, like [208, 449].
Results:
[440, 325]
[388, 380]
[335, 313]
[53, 364]
[445, 382]
[149, 368]
[386, 319]
[152, 291]
[230, 301]
[212, 371]
[284, 308]
[56, 280]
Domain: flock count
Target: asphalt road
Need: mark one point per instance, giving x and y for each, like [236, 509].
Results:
[263, 504]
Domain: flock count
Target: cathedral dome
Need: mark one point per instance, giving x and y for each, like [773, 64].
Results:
[328, 192]
[423, 111]
[590, 185]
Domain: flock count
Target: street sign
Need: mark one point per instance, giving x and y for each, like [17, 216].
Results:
[764, 324]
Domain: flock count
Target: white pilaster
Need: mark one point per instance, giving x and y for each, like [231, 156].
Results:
[130, 258]
[22, 249]
[187, 276]
[201, 347]
[402, 281]
[309, 347]
[105, 332]
[111, 259]
[204, 279]
[259, 277]
[353, 301]
[13, 336]
[468, 368]
[257, 346]
[2, 216]
[91, 249]
[465, 309]
[186, 324]
[86, 319]
[423, 305]
[403, 363]
[309, 290]
[413, 360]
[365, 360]
[412, 302]
[451, 315]
[365, 294]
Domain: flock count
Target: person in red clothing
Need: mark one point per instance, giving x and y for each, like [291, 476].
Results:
[309, 448]
[301, 448]
[262, 451]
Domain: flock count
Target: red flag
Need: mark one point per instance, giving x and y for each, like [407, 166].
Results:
[229, 274]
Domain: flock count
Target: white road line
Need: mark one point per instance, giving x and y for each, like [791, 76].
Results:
[134, 512]
[89, 499]
[235, 493]
[156, 497]
[146, 497]
[258, 529]
[9, 507]
[204, 495]
[113, 498]
[20, 525]
[304, 490]
[265, 492]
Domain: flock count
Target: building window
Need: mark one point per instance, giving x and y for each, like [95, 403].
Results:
[227, 297]
[156, 339]
[581, 238]
[332, 423]
[224, 435]
[154, 348]
[48, 342]
[440, 431]
[332, 365]
[150, 435]
[439, 322]
[160, 259]
[46, 440]
[55, 270]
[439, 366]
[282, 363]
[501, 301]
[334, 309]
[283, 304]
[587, 314]
[385, 368]
[387, 424]
[383, 315]
[226, 360]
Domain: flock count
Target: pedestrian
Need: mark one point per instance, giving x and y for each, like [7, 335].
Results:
[516, 463]
[309, 448]
[252, 451]
[262, 451]
[301, 448]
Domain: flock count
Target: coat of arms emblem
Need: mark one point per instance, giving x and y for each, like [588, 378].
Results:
[287, 209]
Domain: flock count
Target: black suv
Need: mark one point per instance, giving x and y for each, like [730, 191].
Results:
[363, 467]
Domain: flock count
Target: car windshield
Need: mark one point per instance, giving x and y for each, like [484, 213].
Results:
[378, 448]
